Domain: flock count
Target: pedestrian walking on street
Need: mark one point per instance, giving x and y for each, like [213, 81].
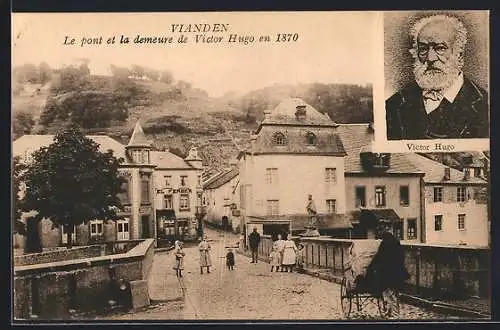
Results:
[280, 248]
[179, 258]
[289, 254]
[205, 260]
[230, 259]
[274, 258]
[254, 240]
[300, 258]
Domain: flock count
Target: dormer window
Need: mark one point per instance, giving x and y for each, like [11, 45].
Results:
[279, 139]
[311, 139]
[381, 160]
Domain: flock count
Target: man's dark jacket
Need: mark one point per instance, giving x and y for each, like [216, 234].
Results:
[466, 117]
[254, 240]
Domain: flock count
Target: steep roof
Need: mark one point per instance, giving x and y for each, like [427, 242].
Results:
[34, 142]
[359, 137]
[434, 171]
[138, 138]
[167, 160]
[287, 108]
[284, 114]
[327, 141]
[220, 179]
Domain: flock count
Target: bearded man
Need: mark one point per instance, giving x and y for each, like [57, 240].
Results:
[441, 103]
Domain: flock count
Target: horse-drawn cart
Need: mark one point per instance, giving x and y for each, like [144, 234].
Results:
[361, 285]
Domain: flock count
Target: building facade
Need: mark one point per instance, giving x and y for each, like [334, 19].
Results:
[294, 153]
[456, 204]
[145, 171]
[221, 198]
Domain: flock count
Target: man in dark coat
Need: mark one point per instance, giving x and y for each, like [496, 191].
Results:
[254, 240]
[441, 103]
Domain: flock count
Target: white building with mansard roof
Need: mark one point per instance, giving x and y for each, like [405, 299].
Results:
[295, 151]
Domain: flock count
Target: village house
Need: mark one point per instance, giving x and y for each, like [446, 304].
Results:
[221, 198]
[456, 204]
[144, 196]
[380, 186]
[295, 152]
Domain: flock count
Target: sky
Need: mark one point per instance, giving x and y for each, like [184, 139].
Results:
[332, 47]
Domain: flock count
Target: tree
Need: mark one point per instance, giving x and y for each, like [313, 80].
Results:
[71, 182]
[17, 169]
[23, 123]
[167, 77]
[45, 73]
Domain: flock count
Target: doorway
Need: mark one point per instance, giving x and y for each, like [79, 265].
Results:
[145, 226]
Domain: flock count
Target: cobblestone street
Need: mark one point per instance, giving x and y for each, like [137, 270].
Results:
[250, 291]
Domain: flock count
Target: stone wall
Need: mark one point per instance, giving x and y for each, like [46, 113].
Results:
[51, 290]
[435, 270]
[59, 255]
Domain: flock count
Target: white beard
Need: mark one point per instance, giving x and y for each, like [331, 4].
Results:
[437, 79]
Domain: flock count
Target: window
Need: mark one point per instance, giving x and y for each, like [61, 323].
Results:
[467, 172]
[169, 202]
[380, 196]
[477, 172]
[438, 194]
[96, 228]
[404, 195]
[330, 175]
[122, 230]
[461, 221]
[412, 228]
[242, 196]
[273, 207]
[271, 175]
[226, 202]
[360, 196]
[311, 139]
[461, 194]
[64, 235]
[145, 157]
[184, 180]
[199, 180]
[168, 180]
[184, 202]
[145, 191]
[438, 222]
[279, 139]
[125, 194]
[398, 229]
[381, 160]
[331, 205]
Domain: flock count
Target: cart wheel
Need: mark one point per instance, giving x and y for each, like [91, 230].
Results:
[345, 298]
[388, 303]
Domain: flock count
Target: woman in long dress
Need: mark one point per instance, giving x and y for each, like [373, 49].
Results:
[289, 254]
[279, 247]
[205, 260]
[179, 258]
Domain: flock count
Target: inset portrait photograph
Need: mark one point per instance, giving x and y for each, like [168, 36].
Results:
[436, 75]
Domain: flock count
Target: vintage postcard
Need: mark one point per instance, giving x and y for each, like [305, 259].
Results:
[210, 166]
[436, 74]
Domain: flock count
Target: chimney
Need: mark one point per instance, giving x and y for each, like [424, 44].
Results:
[267, 114]
[300, 112]
[446, 174]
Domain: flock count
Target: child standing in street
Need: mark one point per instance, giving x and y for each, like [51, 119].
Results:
[274, 259]
[179, 258]
[300, 258]
[230, 259]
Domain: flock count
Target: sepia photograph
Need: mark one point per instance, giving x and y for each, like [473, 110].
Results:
[210, 166]
[436, 75]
